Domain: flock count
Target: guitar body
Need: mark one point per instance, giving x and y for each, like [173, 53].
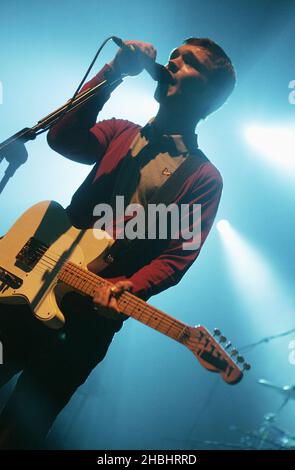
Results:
[43, 256]
[33, 252]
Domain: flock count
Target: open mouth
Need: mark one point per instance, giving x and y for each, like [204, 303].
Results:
[169, 77]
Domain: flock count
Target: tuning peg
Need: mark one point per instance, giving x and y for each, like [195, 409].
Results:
[240, 359]
[216, 332]
[234, 352]
[222, 339]
[246, 366]
[228, 345]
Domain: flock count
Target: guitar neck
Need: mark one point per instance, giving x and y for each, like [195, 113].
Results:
[87, 282]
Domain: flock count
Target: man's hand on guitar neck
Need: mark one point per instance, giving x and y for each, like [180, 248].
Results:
[106, 299]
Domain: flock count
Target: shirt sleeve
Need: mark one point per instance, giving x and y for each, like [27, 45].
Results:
[167, 269]
[77, 136]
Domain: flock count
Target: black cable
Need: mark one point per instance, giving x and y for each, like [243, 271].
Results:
[203, 408]
[68, 108]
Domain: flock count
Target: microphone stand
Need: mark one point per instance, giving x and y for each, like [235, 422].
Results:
[13, 149]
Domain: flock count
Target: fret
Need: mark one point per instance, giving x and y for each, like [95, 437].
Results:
[87, 282]
[154, 317]
[81, 284]
[139, 309]
[76, 281]
[126, 306]
[88, 289]
[184, 335]
[150, 318]
[65, 275]
[159, 323]
[144, 315]
[170, 328]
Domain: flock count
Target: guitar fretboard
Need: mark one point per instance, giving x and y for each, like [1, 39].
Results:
[87, 282]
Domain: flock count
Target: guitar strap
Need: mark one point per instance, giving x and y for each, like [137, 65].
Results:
[165, 194]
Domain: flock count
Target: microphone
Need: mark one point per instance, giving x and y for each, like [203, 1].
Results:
[157, 71]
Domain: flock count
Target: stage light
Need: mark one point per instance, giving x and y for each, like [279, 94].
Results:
[276, 144]
[223, 225]
[134, 101]
[261, 292]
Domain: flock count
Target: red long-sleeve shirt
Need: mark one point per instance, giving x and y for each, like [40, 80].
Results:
[77, 136]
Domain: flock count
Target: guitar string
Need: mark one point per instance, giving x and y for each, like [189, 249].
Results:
[142, 313]
[190, 342]
[47, 263]
[95, 282]
[51, 261]
[133, 302]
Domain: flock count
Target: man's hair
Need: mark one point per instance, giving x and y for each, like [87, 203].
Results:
[222, 77]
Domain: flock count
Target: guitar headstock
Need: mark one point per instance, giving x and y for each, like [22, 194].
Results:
[215, 357]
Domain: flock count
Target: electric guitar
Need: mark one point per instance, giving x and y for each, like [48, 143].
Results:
[43, 256]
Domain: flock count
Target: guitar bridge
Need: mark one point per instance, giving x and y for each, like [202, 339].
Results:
[30, 254]
[8, 279]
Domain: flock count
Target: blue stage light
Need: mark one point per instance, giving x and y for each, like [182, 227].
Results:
[223, 226]
[276, 144]
[263, 294]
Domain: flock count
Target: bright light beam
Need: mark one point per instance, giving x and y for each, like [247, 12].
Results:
[260, 290]
[223, 226]
[276, 144]
[134, 103]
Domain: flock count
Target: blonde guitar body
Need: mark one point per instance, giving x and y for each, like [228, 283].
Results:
[43, 256]
[25, 278]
